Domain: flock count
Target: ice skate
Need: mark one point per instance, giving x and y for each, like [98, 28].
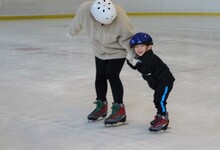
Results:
[100, 110]
[156, 118]
[118, 115]
[161, 124]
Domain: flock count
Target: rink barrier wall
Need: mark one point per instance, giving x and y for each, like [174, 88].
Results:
[173, 14]
[129, 14]
[36, 17]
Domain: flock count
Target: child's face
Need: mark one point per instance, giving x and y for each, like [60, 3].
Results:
[140, 49]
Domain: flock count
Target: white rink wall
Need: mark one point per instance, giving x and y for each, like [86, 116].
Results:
[171, 5]
[38, 7]
[56, 7]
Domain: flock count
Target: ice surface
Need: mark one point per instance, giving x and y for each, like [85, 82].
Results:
[47, 88]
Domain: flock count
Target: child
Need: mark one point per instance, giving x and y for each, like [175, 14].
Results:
[156, 73]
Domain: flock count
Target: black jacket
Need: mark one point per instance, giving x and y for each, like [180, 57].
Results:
[153, 70]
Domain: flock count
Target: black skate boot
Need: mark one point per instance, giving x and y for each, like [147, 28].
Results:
[100, 110]
[161, 124]
[118, 114]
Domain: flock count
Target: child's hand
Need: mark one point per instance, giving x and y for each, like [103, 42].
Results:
[130, 56]
[136, 62]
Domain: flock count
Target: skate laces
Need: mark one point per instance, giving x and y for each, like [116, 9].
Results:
[99, 105]
[115, 108]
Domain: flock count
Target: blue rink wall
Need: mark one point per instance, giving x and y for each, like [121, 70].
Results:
[67, 8]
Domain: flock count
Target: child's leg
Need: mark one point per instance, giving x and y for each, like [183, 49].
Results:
[161, 120]
[160, 98]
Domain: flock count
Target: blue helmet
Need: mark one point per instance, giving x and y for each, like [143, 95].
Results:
[141, 38]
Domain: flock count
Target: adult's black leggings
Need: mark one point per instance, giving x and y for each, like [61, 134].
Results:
[109, 70]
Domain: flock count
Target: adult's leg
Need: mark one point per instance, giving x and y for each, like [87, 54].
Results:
[101, 79]
[114, 67]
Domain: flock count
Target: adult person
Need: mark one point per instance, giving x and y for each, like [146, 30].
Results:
[110, 30]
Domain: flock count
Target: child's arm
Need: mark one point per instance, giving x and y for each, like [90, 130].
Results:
[147, 74]
[134, 63]
[129, 64]
[151, 81]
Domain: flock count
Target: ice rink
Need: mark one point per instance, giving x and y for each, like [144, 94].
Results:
[47, 88]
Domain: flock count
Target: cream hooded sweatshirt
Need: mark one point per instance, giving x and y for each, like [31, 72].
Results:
[108, 41]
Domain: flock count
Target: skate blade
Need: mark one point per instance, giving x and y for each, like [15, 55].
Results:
[109, 125]
[163, 130]
[96, 120]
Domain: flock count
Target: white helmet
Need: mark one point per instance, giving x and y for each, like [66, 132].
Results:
[103, 11]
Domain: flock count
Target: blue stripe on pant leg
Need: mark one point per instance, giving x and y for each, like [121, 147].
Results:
[163, 99]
